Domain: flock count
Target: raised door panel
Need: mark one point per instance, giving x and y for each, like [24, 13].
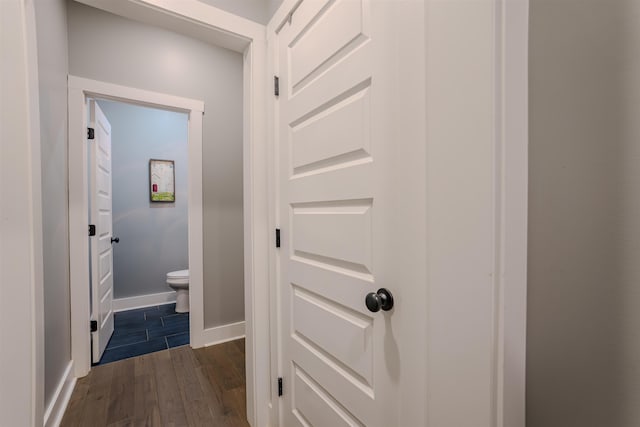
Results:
[334, 347]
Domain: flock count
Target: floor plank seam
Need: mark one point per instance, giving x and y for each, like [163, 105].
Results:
[179, 386]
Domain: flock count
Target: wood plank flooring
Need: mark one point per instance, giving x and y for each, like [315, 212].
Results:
[176, 387]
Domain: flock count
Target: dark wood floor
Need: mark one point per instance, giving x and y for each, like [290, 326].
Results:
[176, 387]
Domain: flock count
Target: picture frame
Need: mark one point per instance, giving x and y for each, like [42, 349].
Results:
[162, 181]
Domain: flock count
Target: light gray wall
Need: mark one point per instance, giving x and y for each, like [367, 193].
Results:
[153, 236]
[259, 11]
[583, 355]
[272, 7]
[51, 28]
[106, 47]
[255, 10]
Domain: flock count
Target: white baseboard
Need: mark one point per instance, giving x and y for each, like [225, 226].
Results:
[142, 301]
[58, 405]
[224, 333]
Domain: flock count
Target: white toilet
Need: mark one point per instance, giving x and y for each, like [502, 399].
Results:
[179, 281]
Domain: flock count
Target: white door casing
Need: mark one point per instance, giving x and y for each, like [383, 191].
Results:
[81, 90]
[22, 362]
[100, 215]
[352, 187]
[216, 26]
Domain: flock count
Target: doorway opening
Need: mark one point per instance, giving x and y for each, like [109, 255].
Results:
[248, 39]
[85, 115]
[81, 92]
[141, 221]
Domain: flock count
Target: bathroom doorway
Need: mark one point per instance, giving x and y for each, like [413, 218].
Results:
[238, 36]
[81, 92]
[146, 229]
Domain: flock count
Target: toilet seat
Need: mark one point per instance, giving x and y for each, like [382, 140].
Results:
[180, 277]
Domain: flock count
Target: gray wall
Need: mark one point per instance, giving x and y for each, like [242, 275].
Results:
[272, 7]
[583, 356]
[259, 11]
[255, 10]
[51, 27]
[106, 47]
[153, 236]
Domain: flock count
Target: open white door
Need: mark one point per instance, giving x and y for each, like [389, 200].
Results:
[100, 215]
[352, 206]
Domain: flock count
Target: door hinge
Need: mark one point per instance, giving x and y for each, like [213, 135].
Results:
[94, 326]
[92, 230]
[91, 134]
[279, 386]
[277, 237]
[276, 85]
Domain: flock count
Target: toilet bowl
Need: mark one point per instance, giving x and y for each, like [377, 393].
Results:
[179, 281]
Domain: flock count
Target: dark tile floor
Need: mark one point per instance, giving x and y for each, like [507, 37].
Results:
[146, 330]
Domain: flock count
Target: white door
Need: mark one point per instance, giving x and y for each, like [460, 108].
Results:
[100, 215]
[352, 191]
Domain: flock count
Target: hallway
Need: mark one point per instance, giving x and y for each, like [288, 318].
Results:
[180, 386]
[360, 177]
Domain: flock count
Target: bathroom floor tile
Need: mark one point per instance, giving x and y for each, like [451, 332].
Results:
[131, 327]
[125, 317]
[167, 309]
[178, 340]
[160, 311]
[176, 319]
[168, 330]
[146, 330]
[150, 315]
[127, 339]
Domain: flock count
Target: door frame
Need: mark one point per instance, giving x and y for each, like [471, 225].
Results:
[215, 26]
[498, 31]
[22, 365]
[80, 90]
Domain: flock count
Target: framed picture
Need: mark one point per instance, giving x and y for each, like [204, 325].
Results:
[162, 181]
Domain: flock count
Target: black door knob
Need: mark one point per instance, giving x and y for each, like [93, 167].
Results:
[115, 239]
[379, 300]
